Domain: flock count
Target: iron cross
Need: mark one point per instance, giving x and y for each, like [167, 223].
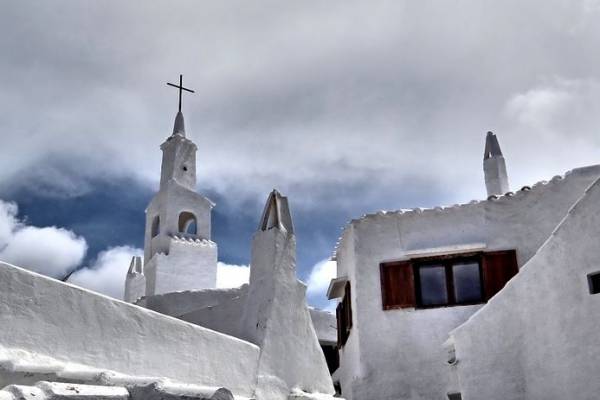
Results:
[181, 88]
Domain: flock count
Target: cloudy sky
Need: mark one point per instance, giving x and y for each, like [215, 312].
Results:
[346, 107]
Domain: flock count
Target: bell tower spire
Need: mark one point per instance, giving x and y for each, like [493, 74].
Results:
[179, 153]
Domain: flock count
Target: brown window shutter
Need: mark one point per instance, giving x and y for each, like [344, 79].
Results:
[397, 285]
[498, 268]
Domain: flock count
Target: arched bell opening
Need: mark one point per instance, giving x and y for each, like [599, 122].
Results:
[188, 223]
[155, 230]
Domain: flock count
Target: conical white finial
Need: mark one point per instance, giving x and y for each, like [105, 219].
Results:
[494, 167]
[179, 127]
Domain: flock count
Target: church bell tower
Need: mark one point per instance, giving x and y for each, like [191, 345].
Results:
[179, 254]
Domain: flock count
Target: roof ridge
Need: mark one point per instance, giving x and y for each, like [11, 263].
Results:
[493, 198]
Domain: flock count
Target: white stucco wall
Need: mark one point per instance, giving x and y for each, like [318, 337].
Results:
[190, 264]
[135, 281]
[538, 338]
[350, 368]
[277, 319]
[496, 178]
[135, 287]
[325, 325]
[45, 317]
[177, 304]
[178, 161]
[398, 354]
[168, 204]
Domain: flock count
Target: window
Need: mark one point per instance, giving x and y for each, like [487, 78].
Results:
[594, 282]
[155, 226]
[432, 285]
[187, 223]
[466, 278]
[343, 314]
[450, 281]
[446, 280]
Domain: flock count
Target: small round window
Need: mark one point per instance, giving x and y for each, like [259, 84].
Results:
[185, 168]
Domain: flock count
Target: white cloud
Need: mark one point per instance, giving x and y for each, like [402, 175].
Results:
[8, 221]
[50, 250]
[230, 276]
[107, 273]
[318, 282]
[540, 107]
[320, 276]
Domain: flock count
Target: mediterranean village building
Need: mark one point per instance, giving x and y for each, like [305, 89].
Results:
[494, 299]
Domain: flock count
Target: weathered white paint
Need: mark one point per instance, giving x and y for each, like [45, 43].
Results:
[74, 391]
[45, 317]
[398, 354]
[538, 338]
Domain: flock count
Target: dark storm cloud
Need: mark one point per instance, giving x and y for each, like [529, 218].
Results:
[285, 90]
[346, 107]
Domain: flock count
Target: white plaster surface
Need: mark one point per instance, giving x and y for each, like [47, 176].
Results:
[278, 321]
[177, 304]
[496, 179]
[190, 264]
[398, 353]
[538, 338]
[135, 281]
[179, 161]
[44, 390]
[45, 317]
[222, 309]
[325, 325]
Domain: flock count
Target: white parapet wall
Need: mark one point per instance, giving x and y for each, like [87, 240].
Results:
[47, 318]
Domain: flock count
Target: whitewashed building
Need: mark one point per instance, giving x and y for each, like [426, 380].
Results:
[487, 300]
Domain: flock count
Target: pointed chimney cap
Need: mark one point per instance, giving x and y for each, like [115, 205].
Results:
[179, 127]
[136, 266]
[492, 147]
[276, 214]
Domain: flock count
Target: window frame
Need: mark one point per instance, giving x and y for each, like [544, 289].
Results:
[592, 282]
[344, 317]
[447, 261]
